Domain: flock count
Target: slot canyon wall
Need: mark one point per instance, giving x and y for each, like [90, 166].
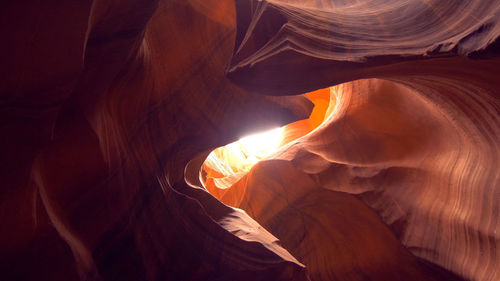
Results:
[390, 171]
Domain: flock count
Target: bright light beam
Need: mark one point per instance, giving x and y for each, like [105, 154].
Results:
[241, 155]
[258, 146]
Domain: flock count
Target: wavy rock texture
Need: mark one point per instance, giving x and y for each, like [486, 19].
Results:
[107, 200]
[109, 108]
[398, 153]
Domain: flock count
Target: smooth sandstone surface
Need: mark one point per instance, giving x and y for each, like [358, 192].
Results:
[390, 171]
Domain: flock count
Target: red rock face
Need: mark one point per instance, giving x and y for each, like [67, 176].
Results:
[108, 110]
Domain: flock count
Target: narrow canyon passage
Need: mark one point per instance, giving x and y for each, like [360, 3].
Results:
[389, 147]
[120, 119]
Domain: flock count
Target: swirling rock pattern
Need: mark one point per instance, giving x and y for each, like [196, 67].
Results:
[109, 108]
[97, 191]
[335, 41]
[397, 152]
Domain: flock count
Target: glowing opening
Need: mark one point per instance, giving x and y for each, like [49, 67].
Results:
[258, 146]
[225, 166]
[241, 155]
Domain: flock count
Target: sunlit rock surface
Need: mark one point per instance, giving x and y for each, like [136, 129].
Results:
[110, 108]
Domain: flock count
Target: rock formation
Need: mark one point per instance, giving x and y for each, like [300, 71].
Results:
[389, 172]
